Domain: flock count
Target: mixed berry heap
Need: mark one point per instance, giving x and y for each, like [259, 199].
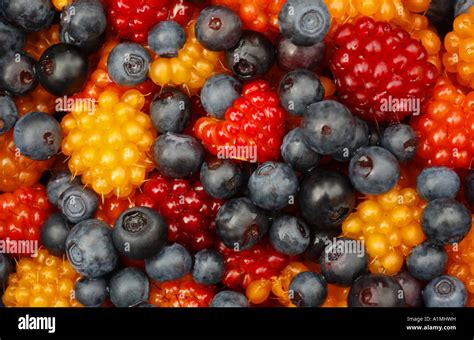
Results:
[223, 153]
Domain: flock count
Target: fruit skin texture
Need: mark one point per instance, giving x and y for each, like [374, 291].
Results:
[401, 72]
[58, 183]
[177, 155]
[308, 289]
[13, 38]
[445, 130]
[437, 182]
[304, 22]
[208, 267]
[17, 73]
[171, 263]
[427, 261]
[221, 179]
[54, 233]
[41, 281]
[90, 249]
[128, 64]
[273, 186]
[296, 152]
[8, 113]
[446, 221]
[219, 93]
[78, 204]
[129, 287]
[5, 269]
[170, 110]
[62, 69]
[328, 126]
[469, 187]
[362, 138]
[444, 291]
[375, 290]
[218, 28]
[291, 57]
[289, 235]
[22, 212]
[37, 135]
[326, 197]
[252, 129]
[91, 292]
[401, 140]
[229, 298]
[389, 224]
[26, 14]
[139, 233]
[412, 289]
[166, 38]
[240, 224]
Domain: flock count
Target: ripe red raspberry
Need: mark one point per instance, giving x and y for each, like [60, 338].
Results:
[381, 73]
[132, 19]
[22, 212]
[259, 262]
[255, 121]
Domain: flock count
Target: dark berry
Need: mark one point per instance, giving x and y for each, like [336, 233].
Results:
[412, 289]
[219, 93]
[58, 183]
[54, 232]
[128, 64]
[17, 73]
[376, 290]
[296, 152]
[139, 233]
[11, 37]
[228, 298]
[291, 57]
[166, 39]
[320, 239]
[129, 287]
[374, 170]
[37, 135]
[289, 235]
[5, 269]
[218, 28]
[63, 69]
[427, 261]
[8, 114]
[308, 289]
[240, 224]
[90, 249]
[361, 139]
[78, 203]
[252, 57]
[401, 140]
[91, 292]
[170, 110]
[29, 15]
[208, 267]
[171, 263]
[437, 182]
[298, 89]
[221, 178]
[445, 291]
[469, 187]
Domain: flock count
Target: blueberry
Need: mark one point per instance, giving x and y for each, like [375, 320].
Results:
[374, 170]
[304, 22]
[221, 179]
[462, 6]
[170, 110]
[90, 250]
[401, 140]
[218, 28]
[427, 261]
[8, 114]
[63, 69]
[139, 233]
[129, 287]
[361, 139]
[296, 152]
[177, 156]
[88, 46]
[83, 22]
[343, 262]
[219, 93]
[273, 186]
[298, 89]
[17, 73]
[445, 221]
[308, 289]
[37, 136]
[328, 126]
[240, 224]
[208, 267]
[319, 239]
[91, 292]
[376, 290]
[54, 233]
[228, 298]
[78, 203]
[5, 269]
[11, 37]
[289, 235]
[291, 57]
[58, 183]
[445, 291]
[252, 57]
[469, 187]
[166, 38]
[412, 289]
[171, 263]
[128, 64]
[374, 135]
[437, 182]
[29, 15]
[326, 197]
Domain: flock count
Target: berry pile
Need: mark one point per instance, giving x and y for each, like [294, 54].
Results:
[224, 153]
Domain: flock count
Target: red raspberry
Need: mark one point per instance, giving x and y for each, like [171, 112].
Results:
[22, 212]
[132, 19]
[180, 293]
[255, 121]
[380, 72]
[259, 262]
